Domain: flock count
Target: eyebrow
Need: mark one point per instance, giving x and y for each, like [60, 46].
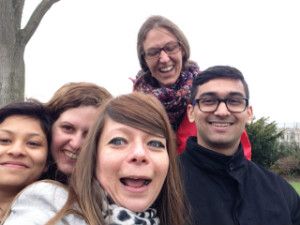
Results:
[6, 131]
[160, 47]
[29, 134]
[233, 93]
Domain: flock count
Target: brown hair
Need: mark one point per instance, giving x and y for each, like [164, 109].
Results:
[73, 95]
[142, 112]
[160, 21]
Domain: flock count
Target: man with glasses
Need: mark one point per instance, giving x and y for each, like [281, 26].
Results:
[222, 186]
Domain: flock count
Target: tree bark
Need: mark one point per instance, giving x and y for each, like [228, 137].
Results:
[13, 41]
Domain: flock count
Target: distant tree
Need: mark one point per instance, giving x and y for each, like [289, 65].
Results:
[13, 40]
[264, 138]
[289, 148]
[289, 158]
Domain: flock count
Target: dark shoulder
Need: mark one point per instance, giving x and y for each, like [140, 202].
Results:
[269, 177]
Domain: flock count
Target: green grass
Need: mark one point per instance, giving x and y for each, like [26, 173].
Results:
[296, 185]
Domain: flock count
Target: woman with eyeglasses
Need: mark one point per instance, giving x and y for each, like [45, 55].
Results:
[167, 73]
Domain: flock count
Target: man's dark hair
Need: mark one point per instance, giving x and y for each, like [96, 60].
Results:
[218, 72]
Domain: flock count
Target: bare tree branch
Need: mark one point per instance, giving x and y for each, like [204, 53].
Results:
[13, 41]
[18, 6]
[35, 20]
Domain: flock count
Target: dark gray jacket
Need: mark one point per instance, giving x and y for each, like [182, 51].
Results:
[232, 190]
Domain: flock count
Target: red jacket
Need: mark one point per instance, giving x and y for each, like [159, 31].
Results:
[187, 129]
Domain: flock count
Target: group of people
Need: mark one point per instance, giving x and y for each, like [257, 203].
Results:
[172, 152]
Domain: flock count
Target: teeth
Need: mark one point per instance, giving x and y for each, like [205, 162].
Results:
[71, 155]
[221, 124]
[166, 69]
[135, 182]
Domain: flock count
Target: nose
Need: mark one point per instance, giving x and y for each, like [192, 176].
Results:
[222, 110]
[17, 149]
[163, 57]
[138, 155]
[76, 141]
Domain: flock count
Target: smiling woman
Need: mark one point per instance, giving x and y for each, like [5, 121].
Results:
[25, 134]
[126, 173]
[73, 108]
[167, 73]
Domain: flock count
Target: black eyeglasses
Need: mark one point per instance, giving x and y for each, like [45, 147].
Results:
[169, 48]
[210, 105]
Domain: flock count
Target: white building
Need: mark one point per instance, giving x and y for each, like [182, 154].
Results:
[291, 132]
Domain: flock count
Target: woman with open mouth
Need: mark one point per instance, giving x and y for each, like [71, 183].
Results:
[126, 173]
[167, 73]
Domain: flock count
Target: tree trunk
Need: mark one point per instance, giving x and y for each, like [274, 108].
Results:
[12, 75]
[11, 56]
[13, 41]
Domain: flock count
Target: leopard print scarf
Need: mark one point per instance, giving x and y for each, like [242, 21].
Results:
[117, 215]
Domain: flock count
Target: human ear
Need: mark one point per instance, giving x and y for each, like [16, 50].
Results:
[250, 115]
[190, 113]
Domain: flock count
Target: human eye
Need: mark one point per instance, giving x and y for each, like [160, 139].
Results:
[117, 141]
[5, 141]
[152, 52]
[171, 47]
[208, 101]
[36, 141]
[34, 144]
[156, 144]
[67, 128]
[235, 101]
[85, 133]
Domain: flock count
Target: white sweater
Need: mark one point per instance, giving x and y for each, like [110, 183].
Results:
[39, 203]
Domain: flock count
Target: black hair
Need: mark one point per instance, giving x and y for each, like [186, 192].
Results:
[33, 109]
[215, 72]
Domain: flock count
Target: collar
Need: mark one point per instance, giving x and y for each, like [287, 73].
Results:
[216, 162]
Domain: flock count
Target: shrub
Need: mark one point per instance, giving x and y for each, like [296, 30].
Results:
[264, 141]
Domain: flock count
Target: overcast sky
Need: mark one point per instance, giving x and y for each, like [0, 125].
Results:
[95, 41]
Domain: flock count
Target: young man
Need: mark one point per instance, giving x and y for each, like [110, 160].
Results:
[223, 187]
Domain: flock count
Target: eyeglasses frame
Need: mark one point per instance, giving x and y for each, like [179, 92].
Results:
[219, 101]
[163, 48]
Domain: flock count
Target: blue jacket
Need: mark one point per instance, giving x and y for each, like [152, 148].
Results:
[233, 190]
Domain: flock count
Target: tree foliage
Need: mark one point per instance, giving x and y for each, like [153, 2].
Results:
[289, 149]
[264, 138]
[13, 40]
